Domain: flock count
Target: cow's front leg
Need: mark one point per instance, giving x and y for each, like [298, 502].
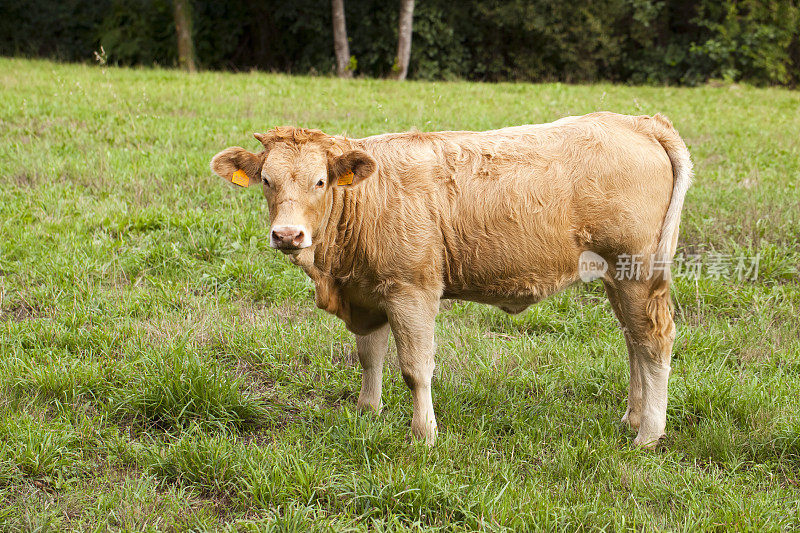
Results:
[372, 352]
[412, 320]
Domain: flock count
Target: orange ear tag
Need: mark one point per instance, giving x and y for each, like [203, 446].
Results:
[345, 179]
[240, 178]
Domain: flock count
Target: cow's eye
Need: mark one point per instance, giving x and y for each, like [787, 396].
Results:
[265, 181]
[320, 184]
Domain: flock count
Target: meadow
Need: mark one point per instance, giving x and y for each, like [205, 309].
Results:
[162, 369]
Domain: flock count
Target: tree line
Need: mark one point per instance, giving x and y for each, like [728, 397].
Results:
[636, 41]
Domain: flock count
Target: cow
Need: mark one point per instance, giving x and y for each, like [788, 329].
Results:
[387, 226]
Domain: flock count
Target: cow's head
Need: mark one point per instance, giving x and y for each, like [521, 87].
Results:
[298, 170]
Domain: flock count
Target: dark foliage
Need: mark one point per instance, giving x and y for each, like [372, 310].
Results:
[639, 41]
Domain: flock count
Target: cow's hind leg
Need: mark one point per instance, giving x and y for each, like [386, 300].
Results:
[412, 318]
[647, 311]
[633, 413]
[371, 353]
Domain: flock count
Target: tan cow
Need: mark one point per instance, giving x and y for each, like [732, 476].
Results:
[386, 226]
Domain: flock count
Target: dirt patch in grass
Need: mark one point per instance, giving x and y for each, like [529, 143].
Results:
[256, 382]
[22, 310]
[24, 180]
[204, 326]
[277, 415]
[199, 330]
[287, 311]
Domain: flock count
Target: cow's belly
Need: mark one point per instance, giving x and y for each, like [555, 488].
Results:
[512, 294]
[516, 260]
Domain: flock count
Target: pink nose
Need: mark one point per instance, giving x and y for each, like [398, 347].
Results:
[287, 236]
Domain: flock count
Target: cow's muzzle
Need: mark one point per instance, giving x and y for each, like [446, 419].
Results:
[289, 239]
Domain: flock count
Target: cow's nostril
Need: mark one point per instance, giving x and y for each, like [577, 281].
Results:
[287, 236]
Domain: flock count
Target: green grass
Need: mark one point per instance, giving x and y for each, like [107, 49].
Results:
[161, 368]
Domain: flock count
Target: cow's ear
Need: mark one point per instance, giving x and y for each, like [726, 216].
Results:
[238, 166]
[351, 168]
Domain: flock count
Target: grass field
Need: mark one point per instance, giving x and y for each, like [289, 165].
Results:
[162, 368]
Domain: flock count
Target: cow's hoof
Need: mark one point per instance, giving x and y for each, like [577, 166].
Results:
[425, 433]
[632, 419]
[369, 407]
[647, 441]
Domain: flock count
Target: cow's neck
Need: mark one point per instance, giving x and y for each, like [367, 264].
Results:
[333, 253]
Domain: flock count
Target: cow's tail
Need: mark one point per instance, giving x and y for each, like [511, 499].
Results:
[682, 174]
[659, 304]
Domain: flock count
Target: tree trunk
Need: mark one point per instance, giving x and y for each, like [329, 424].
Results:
[340, 46]
[404, 39]
[183, 27]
